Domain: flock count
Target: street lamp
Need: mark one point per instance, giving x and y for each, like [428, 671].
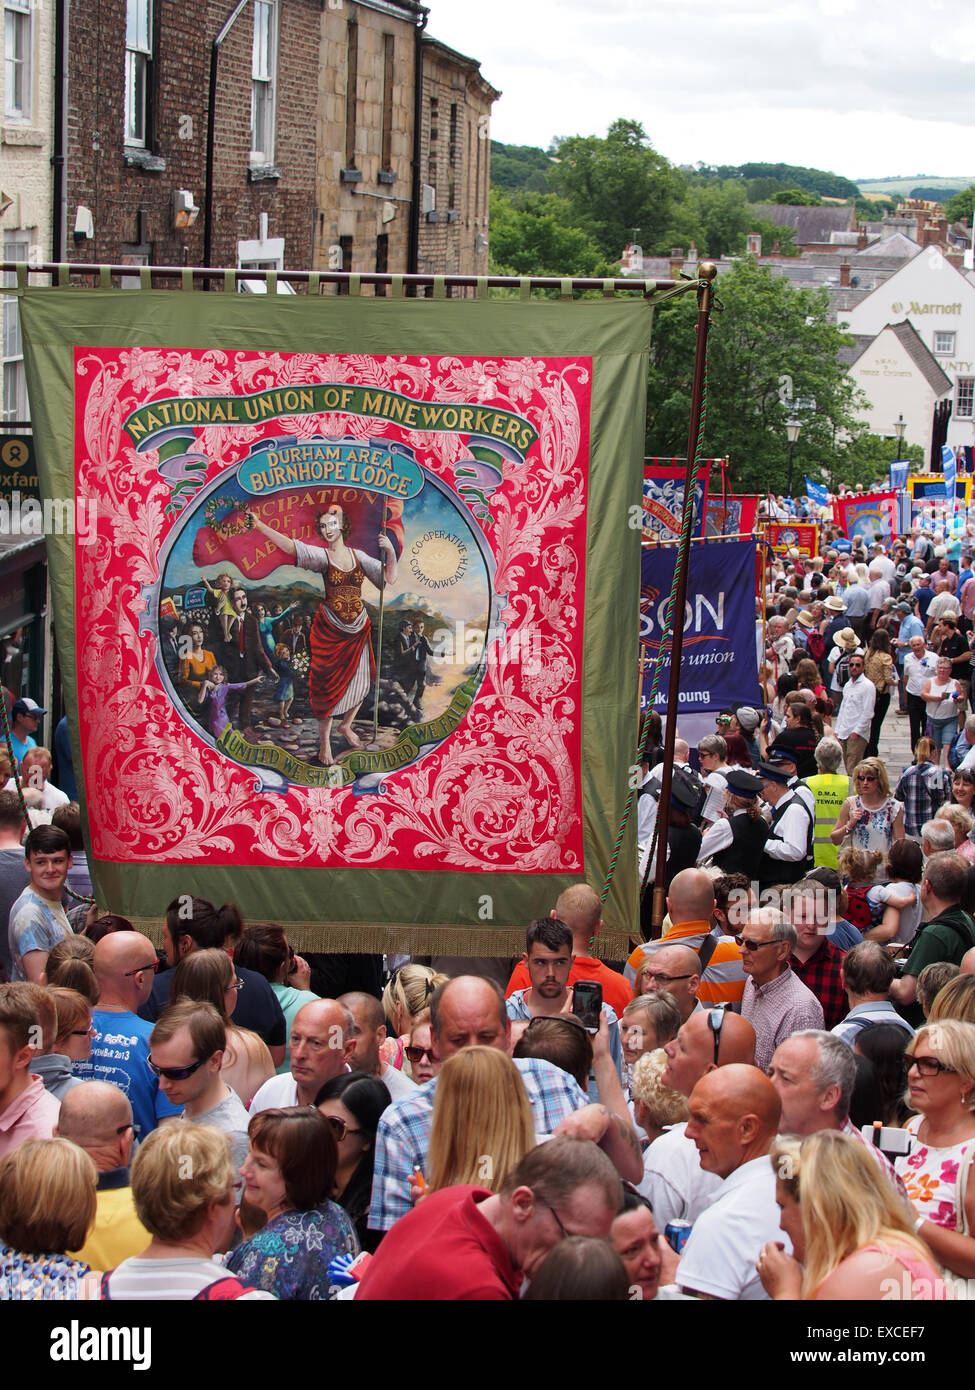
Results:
[792, 428]
[900, 425]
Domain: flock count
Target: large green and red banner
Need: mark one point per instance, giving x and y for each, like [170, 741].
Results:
[349, 640]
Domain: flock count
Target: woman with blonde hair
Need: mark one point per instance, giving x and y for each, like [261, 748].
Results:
[852, 1238]
[47, 1207]
[210, 975]
[937, 1173]
[955, 999]
[482, 1120]
[871, 817]
[407, 994]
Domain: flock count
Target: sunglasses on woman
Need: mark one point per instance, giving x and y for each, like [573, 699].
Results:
[339, 1128]
[418, 1054]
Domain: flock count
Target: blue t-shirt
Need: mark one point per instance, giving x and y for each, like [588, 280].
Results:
[35, 924]
[20, 746]
[119, 1055]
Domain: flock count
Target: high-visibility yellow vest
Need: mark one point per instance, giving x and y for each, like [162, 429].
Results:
[830, 790]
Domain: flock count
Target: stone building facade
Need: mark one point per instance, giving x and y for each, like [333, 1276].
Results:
[455, 163]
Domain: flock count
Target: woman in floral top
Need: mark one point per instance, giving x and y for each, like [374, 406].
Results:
[941, 1080]
[289, 1174]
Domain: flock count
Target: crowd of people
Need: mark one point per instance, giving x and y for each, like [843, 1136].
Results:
[773, 1097]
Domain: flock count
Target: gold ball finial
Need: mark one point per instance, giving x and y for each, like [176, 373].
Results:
[707, 270]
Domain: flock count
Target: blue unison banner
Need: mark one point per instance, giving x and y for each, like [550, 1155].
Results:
[719, 663]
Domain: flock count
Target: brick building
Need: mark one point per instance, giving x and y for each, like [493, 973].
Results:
[138, 81]
[326, 152]
[314, 136]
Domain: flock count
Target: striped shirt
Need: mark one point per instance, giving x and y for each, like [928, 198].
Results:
[137, 1279]
[723, 981]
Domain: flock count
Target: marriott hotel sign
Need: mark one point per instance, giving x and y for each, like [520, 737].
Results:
[915, 307]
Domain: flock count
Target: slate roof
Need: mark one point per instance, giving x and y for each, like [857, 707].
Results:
[814, 224]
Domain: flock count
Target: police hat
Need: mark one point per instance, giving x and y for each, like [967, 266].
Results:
[772, 772]
[743, 783]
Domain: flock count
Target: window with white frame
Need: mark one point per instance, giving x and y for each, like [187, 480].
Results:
[138, 70]
[16, 59]
[944, 343]
[16, 247]
[263, 64]
[964, 396]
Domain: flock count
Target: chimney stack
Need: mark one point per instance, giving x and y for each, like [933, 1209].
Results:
[845, 275]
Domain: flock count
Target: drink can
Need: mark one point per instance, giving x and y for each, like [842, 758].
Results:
[676, 1233]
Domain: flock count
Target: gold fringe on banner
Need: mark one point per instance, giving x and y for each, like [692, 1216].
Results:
[430, 940]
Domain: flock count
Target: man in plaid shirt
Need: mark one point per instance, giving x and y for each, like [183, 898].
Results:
[923, 788]
[468, 1011]
[815, 960]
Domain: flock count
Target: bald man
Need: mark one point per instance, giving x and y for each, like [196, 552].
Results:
[125, 965]
[580, 909]
[968, 962]
[676, 1185]
[677, 970]
[321, 1046]
[99, 1120]
[734, 1115]
[690, 906]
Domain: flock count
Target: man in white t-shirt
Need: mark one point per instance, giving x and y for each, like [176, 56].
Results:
[734, 1115]
[321, 1046]
[674, 1182]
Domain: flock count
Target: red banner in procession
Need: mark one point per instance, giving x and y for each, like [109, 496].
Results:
[800, 535]
[868, 514]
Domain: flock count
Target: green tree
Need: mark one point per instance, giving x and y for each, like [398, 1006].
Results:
[616, 184]
[795, 198]
[765, 335]
[532, 234]
[514, 166]
[723, 213]
[761, 190]
[962, 205]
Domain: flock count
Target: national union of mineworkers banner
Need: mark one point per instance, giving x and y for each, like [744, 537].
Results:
[349, 641]
[718, 659]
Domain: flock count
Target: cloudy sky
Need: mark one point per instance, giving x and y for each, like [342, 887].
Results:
[837, 84]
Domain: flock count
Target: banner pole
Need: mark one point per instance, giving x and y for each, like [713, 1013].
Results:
[705, 298]
[379, 635]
